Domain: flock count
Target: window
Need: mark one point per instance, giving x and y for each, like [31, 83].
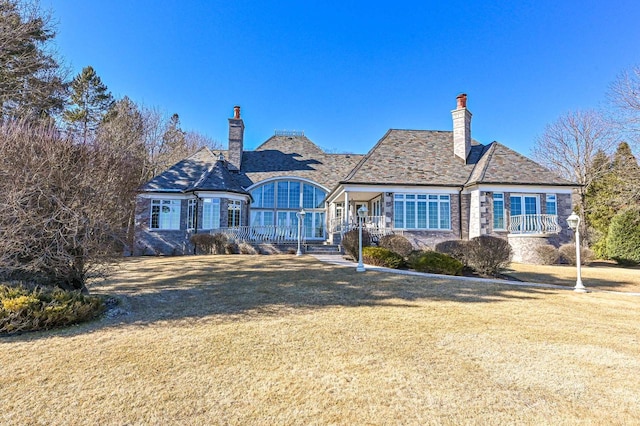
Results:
[233, 213]
[285, 194]
[191, 214]
[498, 211]
[552, 206]
[165, 214]
[523, 204]
[210, 213]
[421, 211]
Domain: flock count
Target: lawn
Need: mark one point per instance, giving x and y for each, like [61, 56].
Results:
[287, 340]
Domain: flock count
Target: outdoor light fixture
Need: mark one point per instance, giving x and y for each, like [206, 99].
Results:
[362, 213]
[300, 215]
[574, 224]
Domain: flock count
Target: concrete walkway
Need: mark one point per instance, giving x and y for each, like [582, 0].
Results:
[336, 259]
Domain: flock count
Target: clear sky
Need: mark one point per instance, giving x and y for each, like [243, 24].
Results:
[347, 71]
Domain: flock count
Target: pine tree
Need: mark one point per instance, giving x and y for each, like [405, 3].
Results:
[31, 82]
[90, 101]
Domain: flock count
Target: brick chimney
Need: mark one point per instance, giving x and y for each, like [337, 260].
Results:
[236, 140]
[461, 128]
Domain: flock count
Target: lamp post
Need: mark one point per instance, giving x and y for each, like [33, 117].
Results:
[574, 223]
[300, 216]
[362, 213]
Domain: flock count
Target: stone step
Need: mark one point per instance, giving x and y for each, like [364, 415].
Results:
[322, 248]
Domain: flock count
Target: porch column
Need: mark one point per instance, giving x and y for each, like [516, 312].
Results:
[346, 207]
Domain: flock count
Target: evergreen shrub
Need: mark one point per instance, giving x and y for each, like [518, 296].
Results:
[29, 309]
[623, 239]
[380, 256]
[435, 263]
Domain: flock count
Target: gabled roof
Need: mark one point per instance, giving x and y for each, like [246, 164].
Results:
[218, 178]
[502, 165]
[415, 157]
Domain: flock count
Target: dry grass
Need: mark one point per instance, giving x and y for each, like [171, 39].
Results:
[286, 340]
[598, 276]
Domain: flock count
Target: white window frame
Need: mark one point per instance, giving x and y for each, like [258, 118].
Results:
[210, 213]
[166, 221]
[417, 199]
[554, 201]
[499, 196]
[236, 219]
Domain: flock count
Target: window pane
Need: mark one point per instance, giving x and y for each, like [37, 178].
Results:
[155, 217]
[530, 205]
[422, 214]
[307, 197]
[411, 213]
[268, 195]
[433, 215]
[516, 206]
[257, 197]
[551, 204]
[498, 212]
[320, 194]
[444, 215]
[398, 214]
[294, 195]
[283, 195]
[267, 218]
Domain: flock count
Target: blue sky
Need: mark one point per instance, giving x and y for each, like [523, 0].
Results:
[347, 71]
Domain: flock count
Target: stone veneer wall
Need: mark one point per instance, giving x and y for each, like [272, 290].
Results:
[172, 242]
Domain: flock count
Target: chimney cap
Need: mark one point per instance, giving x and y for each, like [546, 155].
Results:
[236, 112]
[462, 100]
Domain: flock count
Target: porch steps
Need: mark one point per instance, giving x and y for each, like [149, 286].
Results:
[322, 249]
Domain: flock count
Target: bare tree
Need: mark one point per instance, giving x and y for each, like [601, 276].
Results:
[60, 221]
[569, 144]
[624, 97]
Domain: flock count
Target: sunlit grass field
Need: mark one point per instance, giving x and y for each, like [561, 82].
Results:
[288, 340]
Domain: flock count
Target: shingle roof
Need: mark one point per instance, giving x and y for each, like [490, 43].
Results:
[295, 156]
[502, 165]
[415, 157]
[218, 178]
[181, 175]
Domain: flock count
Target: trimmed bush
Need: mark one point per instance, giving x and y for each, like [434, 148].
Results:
[381, 256]
[548, 254]
[453, 248]
[623, 239]
[568, 254]
[488, 255]
[203, 243]
[350, 242]
[246, 248]
[435, 263]
[23, 309]
[397, 244]
[231, 248]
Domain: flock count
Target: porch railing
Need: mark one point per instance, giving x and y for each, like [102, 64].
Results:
[262, 234]
[534, 224]
[375, 225]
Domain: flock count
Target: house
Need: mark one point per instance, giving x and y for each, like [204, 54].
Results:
[430, 186]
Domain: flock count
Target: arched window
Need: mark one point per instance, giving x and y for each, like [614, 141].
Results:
[275, 203]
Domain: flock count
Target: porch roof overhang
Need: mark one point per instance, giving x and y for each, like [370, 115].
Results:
[368, 191]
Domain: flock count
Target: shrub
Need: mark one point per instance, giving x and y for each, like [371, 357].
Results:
[435, 263]
[246, 248]
[231, 248]
[397, 244]
[350, 242]
[488, 255]
[24, 309]
[203, 242]
[381, 256]
[219, 243]
[568, 254]
[548, 254]
[453, 248]
[623, 239]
